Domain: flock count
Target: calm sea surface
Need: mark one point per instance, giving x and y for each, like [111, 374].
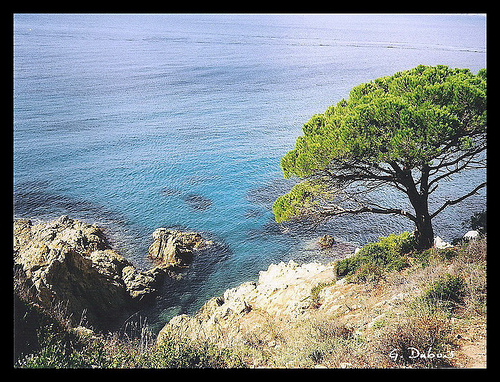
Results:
[142, 121]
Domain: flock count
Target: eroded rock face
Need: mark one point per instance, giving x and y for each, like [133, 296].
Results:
[141, 284]
[71, 262]
[286, 296]
[283, 290]
[175, 248]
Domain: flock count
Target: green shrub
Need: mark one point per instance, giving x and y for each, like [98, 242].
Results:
[386, 255]
[98, 352]
[447, 291]
[315, 291]
[367, 273]
[347, 266]
[425, 258]
[62, 350]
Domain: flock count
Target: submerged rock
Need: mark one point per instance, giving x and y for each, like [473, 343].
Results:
[70, 262]
[197, 202]
[175, 248]
[169, 191]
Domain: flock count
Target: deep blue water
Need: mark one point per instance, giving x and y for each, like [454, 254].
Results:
[141, 121]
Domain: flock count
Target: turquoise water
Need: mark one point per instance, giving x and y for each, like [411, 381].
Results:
[141, 121]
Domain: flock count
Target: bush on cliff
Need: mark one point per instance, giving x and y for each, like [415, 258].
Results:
[374, 259]
[62, 350]
[447, 292]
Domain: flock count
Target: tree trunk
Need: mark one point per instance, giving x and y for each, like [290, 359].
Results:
[424, 233]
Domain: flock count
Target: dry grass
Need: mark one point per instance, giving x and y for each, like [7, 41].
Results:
[418, 341]
[409, 318]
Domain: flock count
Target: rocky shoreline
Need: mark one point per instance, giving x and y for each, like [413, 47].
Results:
[278, 317]
[69, 262]
[282, 291]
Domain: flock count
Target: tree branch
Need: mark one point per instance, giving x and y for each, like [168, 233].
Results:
[341, 173]
[452, 202]
[338, 211]
[457, 168]
[470, 153]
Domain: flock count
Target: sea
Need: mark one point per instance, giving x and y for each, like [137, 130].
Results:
[140, 121]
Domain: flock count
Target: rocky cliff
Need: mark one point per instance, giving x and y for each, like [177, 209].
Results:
[70, 262]
[292, 316]
[284, 291]
[285, 295]
[305, 316]
[302, 316]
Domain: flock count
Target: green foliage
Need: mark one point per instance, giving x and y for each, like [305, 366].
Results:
[297, 201]
[177, 352]
[376, 258]
[434, 255]
[316, 290]
[404, 117]
[58, 352]
[59, 349]
[447, 291]
[412, 118]
[302, 200]
[367, 273]
[478, 222]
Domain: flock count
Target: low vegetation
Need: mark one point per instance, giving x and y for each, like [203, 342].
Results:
[389, 254]
[444, 300]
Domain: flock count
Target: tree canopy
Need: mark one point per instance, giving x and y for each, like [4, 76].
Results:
[407, 131]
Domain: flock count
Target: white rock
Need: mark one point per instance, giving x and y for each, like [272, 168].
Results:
[471, 235]
[440, 243]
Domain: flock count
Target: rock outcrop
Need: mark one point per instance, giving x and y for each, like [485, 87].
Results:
[286, 295]
[173, 248]
[472, 235]
[283, 290]
[326, 241]
[440, 243]
[71, 262]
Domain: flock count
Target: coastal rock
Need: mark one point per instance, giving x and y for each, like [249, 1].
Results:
[283, 290]
[326, 241]
[288, 297]
[175, 248]
[472, 235]
[440, 243]
[69, 262]
[141, 285]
